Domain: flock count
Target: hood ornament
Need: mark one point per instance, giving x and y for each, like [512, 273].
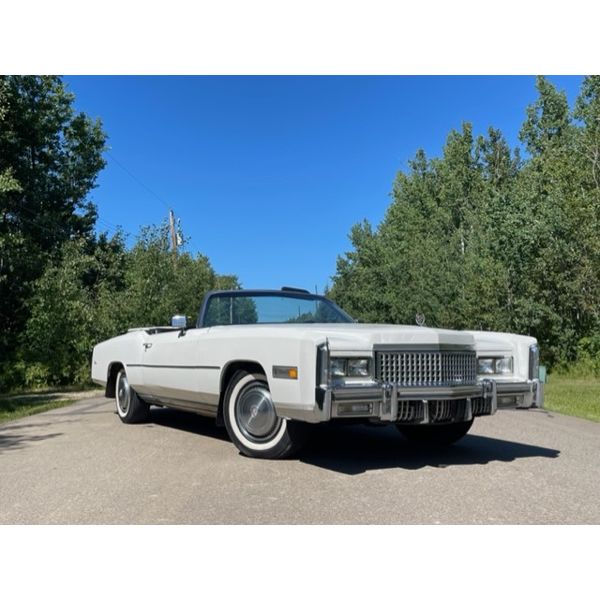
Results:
[420, 319]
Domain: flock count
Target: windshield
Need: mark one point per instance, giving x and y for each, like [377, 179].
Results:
[248, 308]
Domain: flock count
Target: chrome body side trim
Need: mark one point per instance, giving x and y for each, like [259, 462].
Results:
[207, 406]
[150, 366]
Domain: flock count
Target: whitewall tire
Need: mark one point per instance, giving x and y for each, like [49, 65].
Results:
[252, 422]
[130, 408]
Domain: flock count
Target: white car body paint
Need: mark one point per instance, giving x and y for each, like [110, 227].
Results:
[185, 368]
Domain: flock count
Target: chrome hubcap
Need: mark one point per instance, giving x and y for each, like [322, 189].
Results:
[123, 394]
[255, 413]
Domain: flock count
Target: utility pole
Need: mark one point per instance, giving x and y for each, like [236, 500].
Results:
[173, 235]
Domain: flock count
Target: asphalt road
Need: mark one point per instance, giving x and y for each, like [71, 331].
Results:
[79, 464]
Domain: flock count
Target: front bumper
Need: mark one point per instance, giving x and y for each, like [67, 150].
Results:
[415, 405]
[520, 394]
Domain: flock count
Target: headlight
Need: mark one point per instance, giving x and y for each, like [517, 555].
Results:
[495, 365]
[350, 367]
[338, 367]
[358, 367]
[485, 366]
[504, 365]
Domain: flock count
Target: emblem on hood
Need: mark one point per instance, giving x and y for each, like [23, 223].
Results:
[420, 319]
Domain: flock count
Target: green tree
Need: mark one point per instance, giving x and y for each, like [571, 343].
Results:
[548, 119]
[552, 239]
[484, 238]
[159, 285]
[429, 253]
[71, 309]
[50, 157]
[587, 110]
[97, 290]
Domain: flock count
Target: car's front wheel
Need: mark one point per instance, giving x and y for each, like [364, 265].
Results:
[252, 422]
[130, 408]
[435, 435]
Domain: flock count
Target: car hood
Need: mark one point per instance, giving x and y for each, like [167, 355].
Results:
[357, 336]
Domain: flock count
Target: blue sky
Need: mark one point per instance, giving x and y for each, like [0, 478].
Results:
[268, 174]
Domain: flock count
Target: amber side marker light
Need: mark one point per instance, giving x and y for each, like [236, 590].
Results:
[281, 372]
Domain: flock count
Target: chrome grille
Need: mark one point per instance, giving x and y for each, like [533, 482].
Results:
[410, 411]
[447, 411]
[427, 369]
[481, 406]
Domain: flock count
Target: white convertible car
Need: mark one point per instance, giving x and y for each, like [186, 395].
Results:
[268, 363]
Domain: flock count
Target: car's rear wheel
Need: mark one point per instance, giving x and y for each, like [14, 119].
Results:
[130, 408]
[435, 435]
[252, 422]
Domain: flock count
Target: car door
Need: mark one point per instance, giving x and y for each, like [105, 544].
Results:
[177, 369]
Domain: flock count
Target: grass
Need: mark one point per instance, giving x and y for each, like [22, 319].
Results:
[575, 396]
[15, 406]
[57, 389]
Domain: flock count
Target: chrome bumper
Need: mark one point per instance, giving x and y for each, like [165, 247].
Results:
[520, 394]
[415, 405]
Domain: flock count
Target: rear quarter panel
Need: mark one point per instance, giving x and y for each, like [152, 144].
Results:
[124, 349]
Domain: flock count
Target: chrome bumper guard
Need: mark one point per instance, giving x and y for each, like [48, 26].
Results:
[416, 405]
[521, 394]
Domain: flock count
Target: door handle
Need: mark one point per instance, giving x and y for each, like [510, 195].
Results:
[147, 345]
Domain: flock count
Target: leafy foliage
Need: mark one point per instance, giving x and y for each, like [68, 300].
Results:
[91, 295]
[62, 287]
[50, 157]
[480, 237]
[483, 238]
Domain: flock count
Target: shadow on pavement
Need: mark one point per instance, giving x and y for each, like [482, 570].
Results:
[18, 441]
[356, 449]
[186, 421]
[12, 425]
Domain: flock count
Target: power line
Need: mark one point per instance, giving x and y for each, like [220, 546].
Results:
[49, 222]
[138, 181]
[109, 226]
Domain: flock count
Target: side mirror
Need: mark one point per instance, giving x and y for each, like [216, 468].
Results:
[179, 321]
